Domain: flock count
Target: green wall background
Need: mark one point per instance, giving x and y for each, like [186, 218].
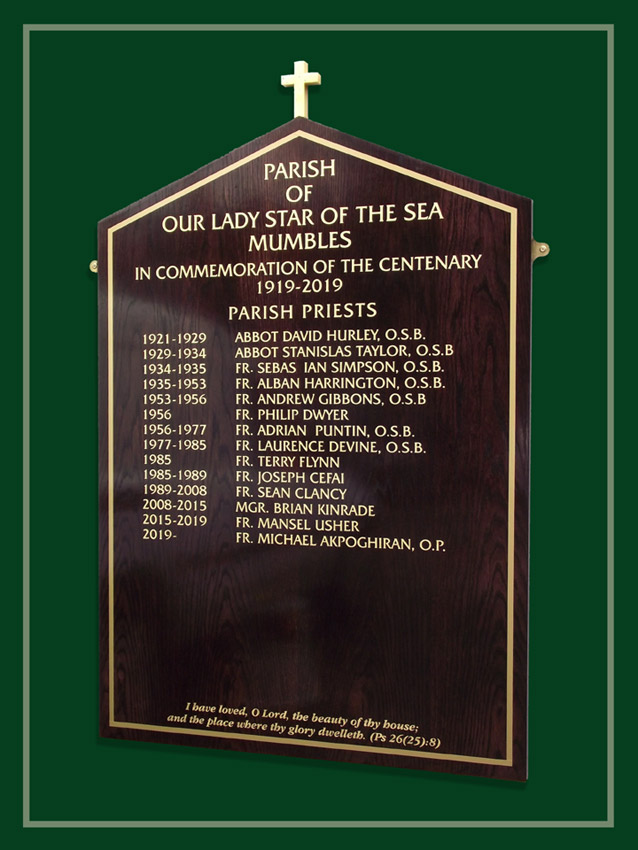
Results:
[115, 116]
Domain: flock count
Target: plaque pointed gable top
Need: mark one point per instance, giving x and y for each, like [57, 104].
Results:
[302, 137]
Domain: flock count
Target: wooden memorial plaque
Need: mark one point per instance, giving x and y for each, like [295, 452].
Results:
[314, 387]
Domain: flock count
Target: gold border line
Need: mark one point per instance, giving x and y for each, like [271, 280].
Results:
[508, 760]
[111, 474]
[511, 490]
[327, 143]
[297, 742]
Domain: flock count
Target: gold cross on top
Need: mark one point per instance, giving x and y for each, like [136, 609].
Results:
[301, 79]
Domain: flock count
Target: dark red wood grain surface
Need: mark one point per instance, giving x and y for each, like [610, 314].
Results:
[415, 638]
